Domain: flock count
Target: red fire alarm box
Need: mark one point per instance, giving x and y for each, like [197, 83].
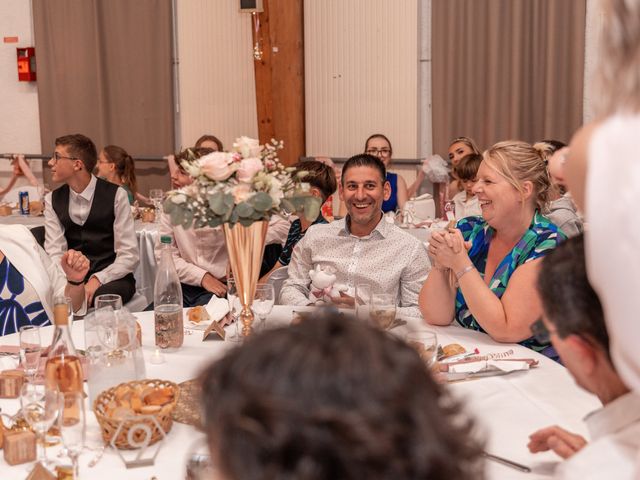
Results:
[27, 64]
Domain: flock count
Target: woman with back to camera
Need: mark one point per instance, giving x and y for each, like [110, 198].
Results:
[332, 398]
[484, 270]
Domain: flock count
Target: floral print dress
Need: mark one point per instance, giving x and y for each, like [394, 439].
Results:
[541, 237]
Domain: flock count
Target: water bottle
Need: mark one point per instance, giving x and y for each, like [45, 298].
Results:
[167, 299]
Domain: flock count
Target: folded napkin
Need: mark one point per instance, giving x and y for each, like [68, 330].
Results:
[217, 308]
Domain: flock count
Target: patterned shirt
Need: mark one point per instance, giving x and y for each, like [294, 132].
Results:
[389, 259]
[541, 237]
[295, 234]
[19, 302]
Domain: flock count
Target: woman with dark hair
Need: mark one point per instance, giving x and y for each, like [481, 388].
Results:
[115, 165]
[332, 398]
[380, 146]
[209, 141]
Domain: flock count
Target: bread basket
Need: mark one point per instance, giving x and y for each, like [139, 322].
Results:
[126, 419]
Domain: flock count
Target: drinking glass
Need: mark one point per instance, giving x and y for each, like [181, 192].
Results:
[425, 342]
[40, 407]
[199, 464]
[72, 424]
[383, 310]
[363, 301]
[156, 195]
[30, 350]
[109, 300]
[235, 307]
[263, 303]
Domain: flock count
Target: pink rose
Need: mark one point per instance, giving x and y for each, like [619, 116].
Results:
[241, 193]
[216, 166]
[248, 168]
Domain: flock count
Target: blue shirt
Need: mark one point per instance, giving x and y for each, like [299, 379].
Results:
[392, 204]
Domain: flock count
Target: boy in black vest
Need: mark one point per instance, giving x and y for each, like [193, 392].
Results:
[93, 216]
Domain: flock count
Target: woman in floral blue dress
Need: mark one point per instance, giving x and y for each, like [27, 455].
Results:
[484, 270]
[29, 280]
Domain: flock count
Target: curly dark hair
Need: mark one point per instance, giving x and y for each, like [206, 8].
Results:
[332, 398]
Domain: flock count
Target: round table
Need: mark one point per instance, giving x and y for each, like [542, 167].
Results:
[507, 408]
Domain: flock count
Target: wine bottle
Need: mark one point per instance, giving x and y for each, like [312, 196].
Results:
[63, 370]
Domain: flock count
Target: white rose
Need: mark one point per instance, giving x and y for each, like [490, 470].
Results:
[179, 198]
[275, 192]
[247, 147]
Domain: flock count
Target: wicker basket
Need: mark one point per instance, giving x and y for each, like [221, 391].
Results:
[109, 425]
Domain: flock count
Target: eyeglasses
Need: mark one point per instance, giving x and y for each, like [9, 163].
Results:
[540, 331]
[379, 151]
[56, 156]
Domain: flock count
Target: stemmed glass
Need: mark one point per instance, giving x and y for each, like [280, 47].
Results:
[30, 350]
[234, 307]
[383, 310]
[72, 423]
[40, 407]
[263, 303]
[425, 342]
[156, 195]
[108, 300]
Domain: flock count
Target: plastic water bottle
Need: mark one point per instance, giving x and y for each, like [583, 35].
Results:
[167, 299]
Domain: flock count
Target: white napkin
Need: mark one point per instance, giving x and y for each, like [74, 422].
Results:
[8, 363]
[217, 308]
[484, 365]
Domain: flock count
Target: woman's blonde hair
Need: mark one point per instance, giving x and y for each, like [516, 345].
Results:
[519, 162]
[469, 142]
[618, 79]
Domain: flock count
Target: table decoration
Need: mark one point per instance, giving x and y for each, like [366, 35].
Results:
[39, 472]
[19, 447]
[188, 409]
[11, 382]
[240, 191]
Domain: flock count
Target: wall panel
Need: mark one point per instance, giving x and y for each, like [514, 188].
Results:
[217, 93]
[361, 74]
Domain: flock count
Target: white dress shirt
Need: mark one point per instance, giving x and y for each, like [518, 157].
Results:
[389, 259]
[615, 442]
[203, 250]
[466, 207]
[125, 243]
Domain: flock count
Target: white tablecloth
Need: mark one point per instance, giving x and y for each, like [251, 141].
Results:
[146, 233]
[507, 408]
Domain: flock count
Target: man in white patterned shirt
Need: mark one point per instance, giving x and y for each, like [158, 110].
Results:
[362, 247]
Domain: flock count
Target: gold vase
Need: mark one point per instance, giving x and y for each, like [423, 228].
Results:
[245, 246]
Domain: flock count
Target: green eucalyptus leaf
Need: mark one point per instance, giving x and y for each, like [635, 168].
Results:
[215, 222]
[261, 201]
[217, 204]
[287, 205]
[229, 200]
[244, 210]
[176, 216]
[311, 208]
[246, 222]
[168, 206]
[187, 219]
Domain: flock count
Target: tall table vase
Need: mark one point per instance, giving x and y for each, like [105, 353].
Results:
[245, 246]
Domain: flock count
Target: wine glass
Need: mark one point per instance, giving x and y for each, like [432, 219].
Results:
[109, 300]
[30, 350]
[40, 407]
[263, 303]
[72, 423]
[383, 310]
[425, 342]
[363, 301]
[156, 195]
[235, 307]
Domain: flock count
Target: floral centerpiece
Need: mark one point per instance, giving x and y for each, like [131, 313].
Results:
[246, 185]
[240, 191]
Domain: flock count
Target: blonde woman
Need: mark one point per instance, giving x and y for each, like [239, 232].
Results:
[484, 270]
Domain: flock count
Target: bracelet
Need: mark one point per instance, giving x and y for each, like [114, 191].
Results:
[75, 284]
[466, 269]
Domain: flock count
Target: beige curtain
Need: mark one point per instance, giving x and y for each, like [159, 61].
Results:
[104, 70]
[506, 69]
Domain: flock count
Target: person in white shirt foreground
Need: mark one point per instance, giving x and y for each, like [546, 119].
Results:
[200, 255]
[92, 216]
[361, 248]
[574, 321]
